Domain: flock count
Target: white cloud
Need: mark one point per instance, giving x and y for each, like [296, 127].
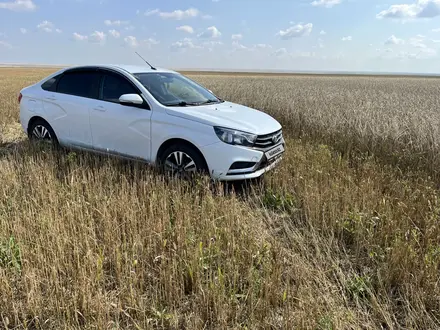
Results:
[237, 37]
[152, 12]
[79, 37]
[436, 30]
[183, 44]
[114, 33]
[417, 42]
[131, 41]
[23, 30]
[129, 28]
[149, 42]
[393, 40]
[262, 46]
[46, 26]
[347, 38]
[212, 43]
[302, 54]
[19, 5]
[238, 46]
[185, 28]
[280, 52]
[326, 3]
[5, 44]
[211, 32]
[323, 33]
[115, 23]
[298, 30]
[419, 9]
[180, 14]
[58, 31]
[426, 53]
[97, 37]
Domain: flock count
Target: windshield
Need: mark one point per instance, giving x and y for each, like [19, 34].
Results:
[173, 89]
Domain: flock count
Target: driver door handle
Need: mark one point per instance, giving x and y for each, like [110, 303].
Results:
[99, 108]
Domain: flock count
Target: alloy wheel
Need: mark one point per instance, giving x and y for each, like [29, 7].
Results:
[180, 163]
[41, 133]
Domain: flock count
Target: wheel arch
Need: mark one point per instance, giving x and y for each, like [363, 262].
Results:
[33, 120]
[168, 143]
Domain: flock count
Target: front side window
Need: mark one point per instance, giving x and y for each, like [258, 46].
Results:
[114, 86]
[81, 83]
[173, 89]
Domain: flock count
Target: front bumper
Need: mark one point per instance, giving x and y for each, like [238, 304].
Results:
[221, 156]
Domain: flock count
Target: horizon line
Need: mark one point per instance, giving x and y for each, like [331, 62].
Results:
[231, 70]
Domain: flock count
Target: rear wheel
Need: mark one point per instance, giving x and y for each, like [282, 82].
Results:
[182, 161]
[41, 131]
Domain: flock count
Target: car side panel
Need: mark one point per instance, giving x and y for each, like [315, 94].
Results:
[30, 105]
[121, 130]
[76, 122]
[56, 116]
[68, 115]
[165, 127]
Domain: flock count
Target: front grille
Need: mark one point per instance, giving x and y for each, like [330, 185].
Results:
[266, 141]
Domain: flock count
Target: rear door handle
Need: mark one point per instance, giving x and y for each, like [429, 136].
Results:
[51, 98]
[99, 108]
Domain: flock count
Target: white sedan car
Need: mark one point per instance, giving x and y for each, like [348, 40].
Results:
[155, 115]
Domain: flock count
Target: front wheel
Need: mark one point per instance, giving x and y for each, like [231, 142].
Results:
[182, 161]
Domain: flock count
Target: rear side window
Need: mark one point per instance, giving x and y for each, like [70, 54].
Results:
[114, 86]
[81, 83]
[51, 84]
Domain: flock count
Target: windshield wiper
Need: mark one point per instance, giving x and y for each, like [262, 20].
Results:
[181, 104]
[209, 101]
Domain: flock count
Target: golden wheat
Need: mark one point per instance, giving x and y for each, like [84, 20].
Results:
[331, 239]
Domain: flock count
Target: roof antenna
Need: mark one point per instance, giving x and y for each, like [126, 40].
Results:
[152, 67]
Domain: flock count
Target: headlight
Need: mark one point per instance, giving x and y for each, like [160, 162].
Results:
[232, 136]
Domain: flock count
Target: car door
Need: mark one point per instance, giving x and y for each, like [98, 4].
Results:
[69, 106]
[120, 129]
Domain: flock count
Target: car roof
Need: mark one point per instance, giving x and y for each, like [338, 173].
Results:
[122, 67]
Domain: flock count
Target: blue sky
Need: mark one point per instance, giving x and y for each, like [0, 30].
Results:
[330, 35]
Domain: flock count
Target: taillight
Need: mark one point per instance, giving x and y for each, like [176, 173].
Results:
[19, 97]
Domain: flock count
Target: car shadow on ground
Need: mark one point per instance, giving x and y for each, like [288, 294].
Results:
[63, 161]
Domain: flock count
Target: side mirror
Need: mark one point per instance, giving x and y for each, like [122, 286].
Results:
[131, 99]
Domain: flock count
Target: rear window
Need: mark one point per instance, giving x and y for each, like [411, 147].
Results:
[51, 84]
[83, 83]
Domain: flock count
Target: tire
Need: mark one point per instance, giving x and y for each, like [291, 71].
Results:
[41, 131]
[182, 161]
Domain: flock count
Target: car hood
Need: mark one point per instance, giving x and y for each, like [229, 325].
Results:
[230, 115]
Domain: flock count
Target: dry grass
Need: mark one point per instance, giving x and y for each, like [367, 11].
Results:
[329, 240]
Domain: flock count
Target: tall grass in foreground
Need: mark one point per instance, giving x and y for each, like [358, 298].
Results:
[92, 242]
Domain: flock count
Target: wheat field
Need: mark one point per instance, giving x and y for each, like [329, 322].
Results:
[344, 234]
